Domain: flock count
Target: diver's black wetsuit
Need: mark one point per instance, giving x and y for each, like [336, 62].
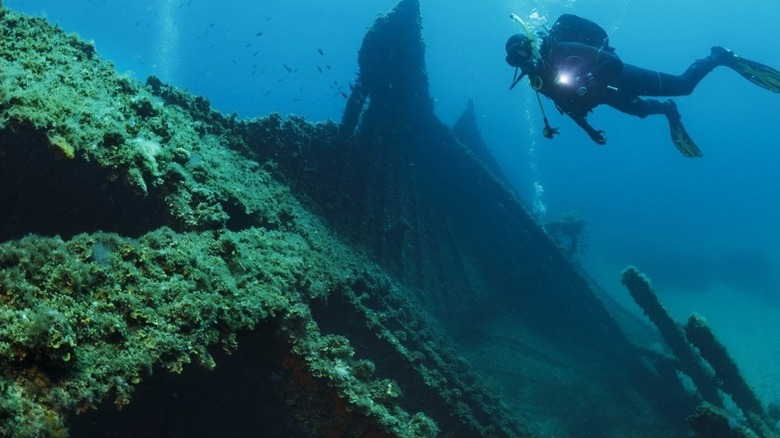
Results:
[579, 77]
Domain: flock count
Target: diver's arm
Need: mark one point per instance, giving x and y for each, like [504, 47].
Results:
[595, 134]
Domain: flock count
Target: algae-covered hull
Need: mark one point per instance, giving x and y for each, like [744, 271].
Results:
[275, 277]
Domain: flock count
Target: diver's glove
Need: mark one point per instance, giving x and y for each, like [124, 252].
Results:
[598, 136]
[595, 134]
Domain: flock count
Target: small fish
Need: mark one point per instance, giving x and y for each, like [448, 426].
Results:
[267, 93]
[344, 95]
[212, 24]
[138, 22]
[233, 60]
[319, 68]
[320, 50]
[259, 34]
[247, 45]
[328, 67]
[287, 67]
[255, 54]
[297, 99]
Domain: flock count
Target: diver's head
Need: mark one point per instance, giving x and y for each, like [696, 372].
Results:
[518, 50]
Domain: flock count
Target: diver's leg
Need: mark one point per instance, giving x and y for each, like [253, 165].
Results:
[644, 107]
[684, 84]
[642, 82]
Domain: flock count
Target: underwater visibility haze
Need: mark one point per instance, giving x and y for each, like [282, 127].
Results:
[446, 255]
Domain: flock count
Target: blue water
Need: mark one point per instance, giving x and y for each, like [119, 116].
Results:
[706, 230]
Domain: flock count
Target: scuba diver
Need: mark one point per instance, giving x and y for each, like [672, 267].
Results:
[576, 68]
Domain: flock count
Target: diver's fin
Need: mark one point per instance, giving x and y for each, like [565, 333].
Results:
[757, 73]
[682, 141]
